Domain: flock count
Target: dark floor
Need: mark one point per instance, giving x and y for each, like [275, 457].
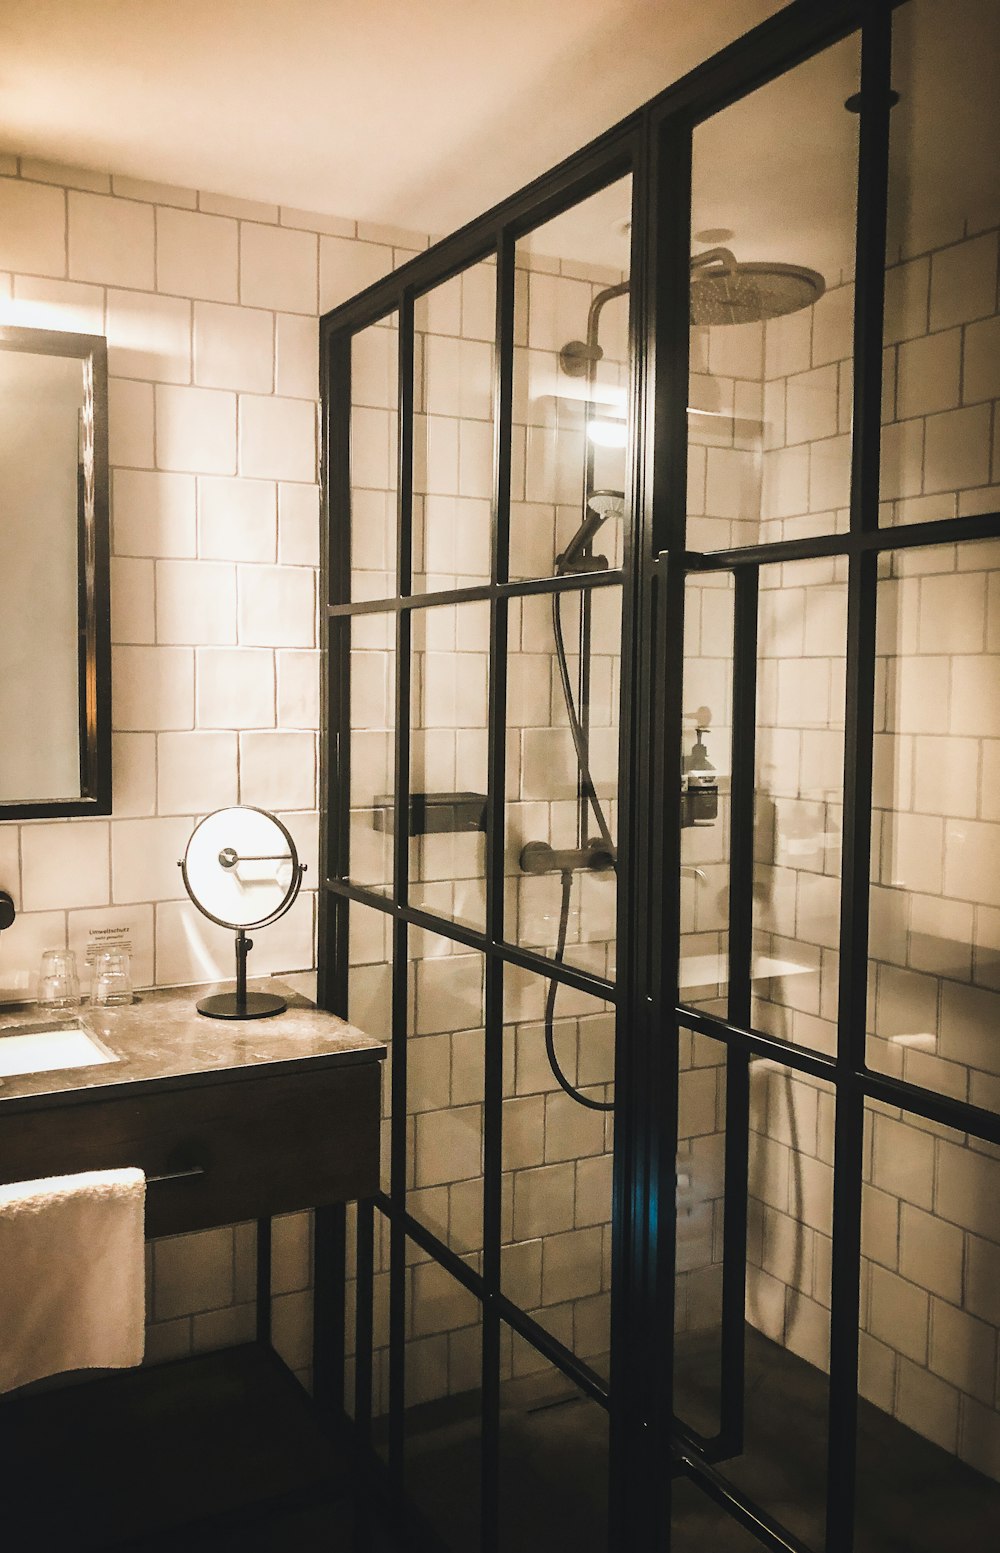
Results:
[245, 1470]
[219, 1454]
[912, 1496]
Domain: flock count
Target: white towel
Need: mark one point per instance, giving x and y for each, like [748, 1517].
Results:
[72, 1274]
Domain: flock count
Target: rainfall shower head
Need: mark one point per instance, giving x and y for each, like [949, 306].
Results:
[601, 505]
[724, 291]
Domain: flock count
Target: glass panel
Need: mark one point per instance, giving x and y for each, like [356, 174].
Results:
[448, 761]
[443, 1403]
[553, 1457]
[557, 1161]
[444, 1090]
[366, 1222]
[372, 749]
[772, 305]
[369, 995]
[701, 1159]
[350, 1308]
[454, 329]
[782, 1467]
[571, 370]
[801, 648]
[706, 749]
[942, 379]
[372, 1223]
[934, 935]
[568, 915]
[374, 454]
[698, 1523]
[929, 1420]
[789, 1229]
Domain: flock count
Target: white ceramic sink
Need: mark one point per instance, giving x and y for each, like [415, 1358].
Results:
[49, 1046]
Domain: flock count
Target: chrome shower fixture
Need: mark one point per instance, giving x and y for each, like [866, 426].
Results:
[726, 291]
[600, 506]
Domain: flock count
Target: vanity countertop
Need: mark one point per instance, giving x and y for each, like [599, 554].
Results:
[161, 1041]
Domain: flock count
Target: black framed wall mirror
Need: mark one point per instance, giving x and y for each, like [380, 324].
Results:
[55, 655]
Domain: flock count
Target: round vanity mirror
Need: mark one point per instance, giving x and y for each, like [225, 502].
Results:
[242, 871]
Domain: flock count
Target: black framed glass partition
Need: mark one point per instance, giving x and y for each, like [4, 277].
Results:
[663, 600]
[479, 469]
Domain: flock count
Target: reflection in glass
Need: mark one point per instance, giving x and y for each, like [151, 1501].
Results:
[454, 328]
[445, 1080]
[556, 1159]
[448, 761]
[801, 649]
[443, 1400]
[562, 811]
[705, 837]
[930, 1323]
[374, 454]
[372, 749]
[701, 1157]
[934, 933]
[783, 1382]
[369, 994]
[367, 1316]
[772, 309]
[941, 318]
[571, 366]
[545, 1423]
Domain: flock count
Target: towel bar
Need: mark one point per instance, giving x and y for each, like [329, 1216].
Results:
[176, 1175]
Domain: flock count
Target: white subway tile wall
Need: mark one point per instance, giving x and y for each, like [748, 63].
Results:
[556, 1155]
[210, 309]
[929, 1341]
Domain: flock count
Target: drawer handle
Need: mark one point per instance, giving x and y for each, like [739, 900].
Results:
[176, 1175]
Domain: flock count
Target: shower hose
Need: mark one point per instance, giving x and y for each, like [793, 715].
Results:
[590, 794]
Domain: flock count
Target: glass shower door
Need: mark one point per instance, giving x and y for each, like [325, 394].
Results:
[835, 1381]
[476, 622]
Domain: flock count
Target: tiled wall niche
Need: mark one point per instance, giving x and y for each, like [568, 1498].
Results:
[210, 308]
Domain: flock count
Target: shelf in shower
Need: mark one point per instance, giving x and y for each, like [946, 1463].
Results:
[433, 814]
[709, 970]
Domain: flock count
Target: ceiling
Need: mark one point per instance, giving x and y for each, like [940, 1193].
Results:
[418, 113]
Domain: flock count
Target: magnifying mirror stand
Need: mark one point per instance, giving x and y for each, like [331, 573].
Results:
[242, 1004]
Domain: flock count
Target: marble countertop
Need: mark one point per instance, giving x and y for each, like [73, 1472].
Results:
[161, 1041]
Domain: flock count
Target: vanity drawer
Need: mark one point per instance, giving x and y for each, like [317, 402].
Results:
[259, 1146]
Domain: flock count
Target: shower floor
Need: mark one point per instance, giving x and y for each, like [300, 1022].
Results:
[913, 1496]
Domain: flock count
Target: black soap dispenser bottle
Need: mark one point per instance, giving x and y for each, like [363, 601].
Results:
[701, 804]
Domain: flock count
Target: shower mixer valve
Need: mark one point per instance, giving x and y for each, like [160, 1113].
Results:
[537, 857]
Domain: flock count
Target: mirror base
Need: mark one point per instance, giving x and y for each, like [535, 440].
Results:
[256, 1005]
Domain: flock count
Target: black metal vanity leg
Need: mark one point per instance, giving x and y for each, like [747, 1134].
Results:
[329, 1266]
[264, 1281]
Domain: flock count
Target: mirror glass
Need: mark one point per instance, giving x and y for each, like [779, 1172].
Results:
[53, 573]
[241, 867]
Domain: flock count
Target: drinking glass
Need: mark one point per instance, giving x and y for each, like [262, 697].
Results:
[112, 978]
[58, 983]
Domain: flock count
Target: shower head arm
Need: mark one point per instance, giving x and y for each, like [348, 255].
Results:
[596, 307]
[573, 558]
[723, 257]
[598, 508]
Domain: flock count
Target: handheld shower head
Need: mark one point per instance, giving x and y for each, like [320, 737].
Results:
[601, 505]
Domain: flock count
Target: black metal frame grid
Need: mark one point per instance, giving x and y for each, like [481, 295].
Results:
[648, 1445]
[398, 297]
